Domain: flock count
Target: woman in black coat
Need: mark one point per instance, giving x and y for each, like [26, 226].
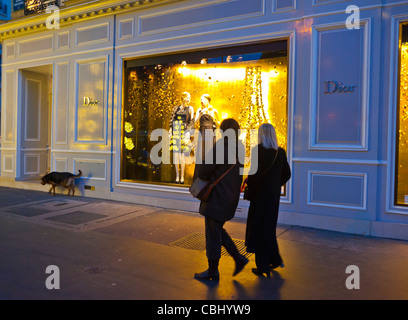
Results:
[264, 187]
[222, 203]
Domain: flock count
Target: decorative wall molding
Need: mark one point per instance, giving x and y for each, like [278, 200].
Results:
[32, 110]
[74, 14]
[360, 162]
[8, 117]
[8, 163]
[361, 143]
[279, 6]
[326, 2]
[352, 183]
[92, 34]
[35, 46]
[31, 164]
[199, 14]
[393, 97]
[93, 169]
[59, 164]
[61, 103]
[96, 87]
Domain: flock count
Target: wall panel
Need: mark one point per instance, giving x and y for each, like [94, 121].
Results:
[8, 109]
[91, 103]
[338, 189]
[35, 46]
[195, 15]
[340, 87]
[61, 100]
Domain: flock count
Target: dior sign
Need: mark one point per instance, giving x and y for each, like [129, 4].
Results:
[90, 102]
[338, 87]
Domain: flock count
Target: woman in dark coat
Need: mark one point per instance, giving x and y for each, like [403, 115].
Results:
[222, 203]
[265, 191]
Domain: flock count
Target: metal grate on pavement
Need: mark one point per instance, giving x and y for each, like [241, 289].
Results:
[196, 241]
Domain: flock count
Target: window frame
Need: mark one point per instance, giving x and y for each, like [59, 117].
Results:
[171, 57]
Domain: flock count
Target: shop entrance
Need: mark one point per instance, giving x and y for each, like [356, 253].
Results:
[35, 122]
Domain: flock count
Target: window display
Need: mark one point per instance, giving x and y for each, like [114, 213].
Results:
[401, 194]
[192, 91]
[180, 143]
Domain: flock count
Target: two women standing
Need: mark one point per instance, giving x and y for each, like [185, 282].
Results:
[265, 185]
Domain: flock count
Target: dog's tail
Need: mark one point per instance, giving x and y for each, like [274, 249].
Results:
[79, 174]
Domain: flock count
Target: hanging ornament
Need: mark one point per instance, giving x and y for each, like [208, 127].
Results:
[252, 113]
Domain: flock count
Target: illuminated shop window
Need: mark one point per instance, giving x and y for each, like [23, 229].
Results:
[36, 6]
[401, 194]
[247, 83]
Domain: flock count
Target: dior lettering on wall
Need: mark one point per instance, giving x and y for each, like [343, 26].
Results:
[90, 102]
[338, 87]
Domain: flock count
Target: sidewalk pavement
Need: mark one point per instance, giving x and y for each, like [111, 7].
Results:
[120, 251]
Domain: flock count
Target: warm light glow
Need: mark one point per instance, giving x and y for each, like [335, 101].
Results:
[273, 74]
[129, 143]
[214, 73]
[224, 115]
[402, 185]
[252, 92]
[128, 127]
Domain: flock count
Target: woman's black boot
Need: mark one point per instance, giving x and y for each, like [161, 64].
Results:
[240, 260]
[211, 273]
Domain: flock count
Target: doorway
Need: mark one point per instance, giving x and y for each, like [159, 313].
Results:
[35, 122]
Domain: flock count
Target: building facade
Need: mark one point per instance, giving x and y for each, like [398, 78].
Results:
[85, 86]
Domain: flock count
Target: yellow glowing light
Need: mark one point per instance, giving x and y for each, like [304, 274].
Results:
[224, 115]
[264, 89]
[128, 127]
[129, 144]
[402, 187]
[214, 74]
[252, 92]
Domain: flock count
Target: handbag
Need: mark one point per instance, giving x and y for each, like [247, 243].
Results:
[201, 189]
[198, 186]
[247, 191]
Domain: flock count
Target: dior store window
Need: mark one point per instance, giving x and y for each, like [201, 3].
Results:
[181, 92]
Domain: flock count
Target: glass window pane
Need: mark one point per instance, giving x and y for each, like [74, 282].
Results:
[401, 194]
[249, 85]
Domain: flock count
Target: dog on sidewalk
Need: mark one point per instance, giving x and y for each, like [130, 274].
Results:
[63, 179]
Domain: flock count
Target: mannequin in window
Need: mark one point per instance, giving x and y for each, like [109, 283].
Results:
[208, 119]
[207, 115]
[182, 119]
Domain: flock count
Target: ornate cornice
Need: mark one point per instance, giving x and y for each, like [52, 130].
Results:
[70, 15]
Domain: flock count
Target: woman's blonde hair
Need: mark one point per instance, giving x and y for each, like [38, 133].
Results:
[267, 136]
[207, 96]
[185, 94]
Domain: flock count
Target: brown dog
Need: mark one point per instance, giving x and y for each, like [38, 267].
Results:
[64, 179]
